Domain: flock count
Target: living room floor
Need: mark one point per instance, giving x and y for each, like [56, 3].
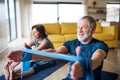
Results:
[111, 64]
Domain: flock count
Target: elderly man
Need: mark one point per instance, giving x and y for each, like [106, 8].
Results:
[85, 45]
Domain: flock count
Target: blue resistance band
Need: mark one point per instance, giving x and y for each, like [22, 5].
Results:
[28, 56]
[25, 64]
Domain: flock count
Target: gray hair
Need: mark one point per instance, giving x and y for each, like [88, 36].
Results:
[91, 20]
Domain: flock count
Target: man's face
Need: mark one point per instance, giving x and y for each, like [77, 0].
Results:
[84, 32]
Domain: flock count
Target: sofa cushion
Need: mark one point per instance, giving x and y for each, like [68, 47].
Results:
[98, 27]
[52, 28]
[56, 45]
[56, 38]
[102, 37]
[68, 28]
[70, 37]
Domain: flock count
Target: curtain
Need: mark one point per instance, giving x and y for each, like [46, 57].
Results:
[26, 14]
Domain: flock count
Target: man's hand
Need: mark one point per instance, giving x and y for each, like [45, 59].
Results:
[15, 56]
[76, 70]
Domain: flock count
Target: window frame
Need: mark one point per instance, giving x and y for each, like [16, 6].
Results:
[10, 21]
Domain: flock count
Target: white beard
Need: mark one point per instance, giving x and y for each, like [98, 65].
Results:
[85, 37]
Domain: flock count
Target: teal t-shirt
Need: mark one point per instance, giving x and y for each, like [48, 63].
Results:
[87, 50]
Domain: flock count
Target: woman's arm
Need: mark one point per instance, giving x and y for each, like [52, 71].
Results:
[42, 46]
[27, 45]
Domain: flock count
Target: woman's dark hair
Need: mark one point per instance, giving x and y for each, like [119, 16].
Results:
[41, 30]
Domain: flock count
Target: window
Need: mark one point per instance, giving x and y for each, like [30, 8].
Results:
[11, 17]
[44, 13]
[56, 12]
[113, 12]
[70, 12]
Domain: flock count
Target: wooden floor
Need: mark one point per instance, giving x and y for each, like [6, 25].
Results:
[111, 64]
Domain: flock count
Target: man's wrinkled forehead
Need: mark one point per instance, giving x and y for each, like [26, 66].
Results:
[83, 22]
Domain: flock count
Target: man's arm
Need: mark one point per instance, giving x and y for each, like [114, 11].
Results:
[97, 58]
[62, 50]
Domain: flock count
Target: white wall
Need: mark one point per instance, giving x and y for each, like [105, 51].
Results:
[3, 27]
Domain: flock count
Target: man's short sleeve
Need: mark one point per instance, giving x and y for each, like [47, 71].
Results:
[67, 44]
[103, 46]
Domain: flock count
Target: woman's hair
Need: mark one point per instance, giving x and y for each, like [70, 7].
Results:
[41, 29]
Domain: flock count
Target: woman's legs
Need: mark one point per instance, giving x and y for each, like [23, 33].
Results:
[11, 74]
[9, 68]
[6, 70]
[36, 65]
[28, 73]
[17, 73]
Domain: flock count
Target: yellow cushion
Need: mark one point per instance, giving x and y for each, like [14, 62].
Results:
[104, 36]
[68, 28]
[52, 28]
[56, 45]
[70, 37]
[56, 38]
[98, 27]
[110, 30]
